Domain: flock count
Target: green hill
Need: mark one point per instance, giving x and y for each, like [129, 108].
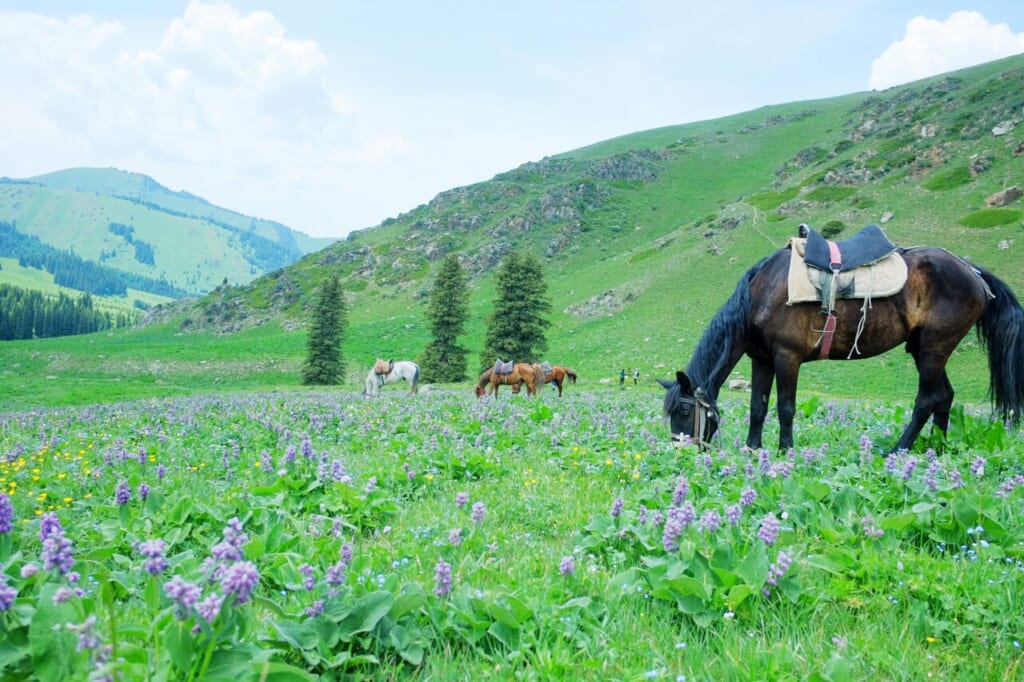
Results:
[643, 238]
[130, 223]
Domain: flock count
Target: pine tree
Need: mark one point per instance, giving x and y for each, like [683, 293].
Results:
[325, 364]
[444, 360]
[516, 326]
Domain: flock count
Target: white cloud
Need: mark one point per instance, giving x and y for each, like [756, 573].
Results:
[221, 94]
[930, 47]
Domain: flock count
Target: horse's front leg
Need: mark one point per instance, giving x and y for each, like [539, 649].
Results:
[787, 373]
[762, 374]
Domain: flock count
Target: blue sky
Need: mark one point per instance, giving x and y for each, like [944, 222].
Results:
[333, 116]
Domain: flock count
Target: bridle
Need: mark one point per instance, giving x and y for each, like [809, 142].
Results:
[704, 415]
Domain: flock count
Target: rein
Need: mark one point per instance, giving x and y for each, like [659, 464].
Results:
[704, 413]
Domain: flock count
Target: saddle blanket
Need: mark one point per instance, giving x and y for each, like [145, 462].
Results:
[879, 279]
[503, 368]
[382, 367]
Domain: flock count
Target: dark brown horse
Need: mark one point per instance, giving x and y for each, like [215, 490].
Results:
[943, 298]
[556, 376]
[522, 373]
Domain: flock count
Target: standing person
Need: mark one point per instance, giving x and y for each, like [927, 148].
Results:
[622, 376]
[636, 374]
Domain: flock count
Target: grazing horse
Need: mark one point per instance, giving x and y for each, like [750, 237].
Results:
[392, 372]
[556, 376]
[942, 299]
[522, 373]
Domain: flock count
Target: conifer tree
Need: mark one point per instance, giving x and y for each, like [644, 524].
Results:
[444, 360]
[517, 324]
[325, 364]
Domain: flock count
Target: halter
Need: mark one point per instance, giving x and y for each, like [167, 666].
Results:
[704, 413]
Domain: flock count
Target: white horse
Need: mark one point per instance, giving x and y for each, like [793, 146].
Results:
[401, 370]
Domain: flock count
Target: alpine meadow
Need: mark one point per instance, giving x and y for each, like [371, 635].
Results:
[177, 503]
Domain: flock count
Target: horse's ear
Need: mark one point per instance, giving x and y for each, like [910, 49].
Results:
[666, 384]
[684, 382]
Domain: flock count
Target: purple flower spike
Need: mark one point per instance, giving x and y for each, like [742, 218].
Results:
[442, 578]
[239, 579]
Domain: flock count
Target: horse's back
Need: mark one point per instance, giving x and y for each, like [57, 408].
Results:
[942, 299]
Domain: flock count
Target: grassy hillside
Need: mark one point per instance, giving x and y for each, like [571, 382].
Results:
[73, 209]
[643, 238]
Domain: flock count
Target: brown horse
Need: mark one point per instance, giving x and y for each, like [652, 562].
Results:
[557, 376]
[522, 373]
[943, 298]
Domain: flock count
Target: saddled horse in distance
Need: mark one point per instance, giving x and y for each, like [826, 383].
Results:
[942, 298]
[392, 372]
[522, 374]
[556, 376]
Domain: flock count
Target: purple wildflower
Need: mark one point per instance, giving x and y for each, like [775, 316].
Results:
[371, 485]
[733, 514]
[779, 568]
[336, 574]
[56, 551]
[710, 521]
[153, 550]
[143, 491]
[672, 532]
[63, 594]
[316, 609]
[455, 537]
[978, 466]
[681, 491]
[478, 513]
[239, 579]
[309, 580]
[122, 493]
[616, 509]
[567, 566]
[87, 639]
[289, 454]
[210, 607]
[49, 524]
[6, 514]
[183, 594]
[7, 595]
[769, 531]
[461, 499]
[908, 467]
[867, 525]
[442, 578]
[346, 553]
[161, 471]
[28, 570]
[747, 497]
[956, 479]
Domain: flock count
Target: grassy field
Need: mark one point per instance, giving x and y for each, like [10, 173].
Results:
[301, 535]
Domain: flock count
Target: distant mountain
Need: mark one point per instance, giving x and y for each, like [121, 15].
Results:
[130, 223]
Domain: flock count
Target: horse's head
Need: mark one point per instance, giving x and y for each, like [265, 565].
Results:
[692, 416]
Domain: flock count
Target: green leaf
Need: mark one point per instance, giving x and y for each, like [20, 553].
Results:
[407, 602]
[280, 672]
[298, 635]
[365, 615]
[897, 523]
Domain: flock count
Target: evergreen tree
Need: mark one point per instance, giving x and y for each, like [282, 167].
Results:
[444, 360]
[325, 364]
[516, 326]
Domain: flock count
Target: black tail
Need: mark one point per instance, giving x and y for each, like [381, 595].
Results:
[1001, 332]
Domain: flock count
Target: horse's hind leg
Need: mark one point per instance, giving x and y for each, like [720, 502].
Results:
[934, 398]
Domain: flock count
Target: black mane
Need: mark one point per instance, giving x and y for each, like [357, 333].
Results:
[709, 367]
